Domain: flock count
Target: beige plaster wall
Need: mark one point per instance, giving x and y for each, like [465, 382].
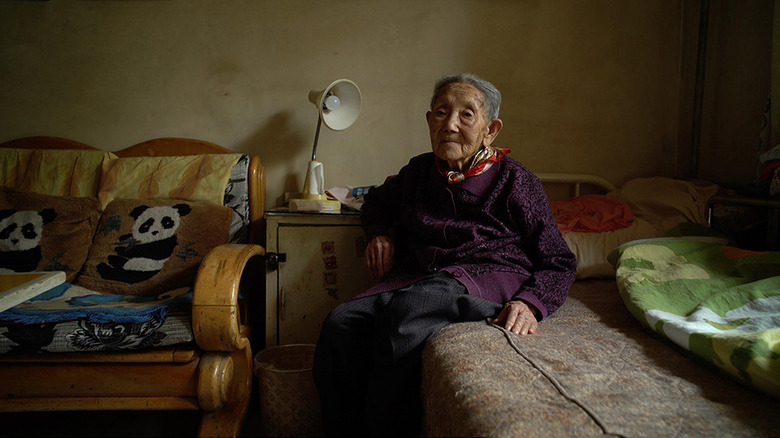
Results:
[589, 86]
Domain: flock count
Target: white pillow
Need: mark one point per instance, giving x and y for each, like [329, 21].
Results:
[667, 202]
[592, 249]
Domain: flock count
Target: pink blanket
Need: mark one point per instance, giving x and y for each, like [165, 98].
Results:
[591, 213]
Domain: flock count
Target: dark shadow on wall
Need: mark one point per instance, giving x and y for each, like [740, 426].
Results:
[282, 143]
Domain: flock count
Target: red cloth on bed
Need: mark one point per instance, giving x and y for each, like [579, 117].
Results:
[591, 213]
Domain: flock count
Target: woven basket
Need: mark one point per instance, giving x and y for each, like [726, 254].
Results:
[289, 404]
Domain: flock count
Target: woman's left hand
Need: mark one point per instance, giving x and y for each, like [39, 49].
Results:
[518, 318]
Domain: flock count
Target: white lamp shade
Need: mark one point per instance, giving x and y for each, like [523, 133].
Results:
[348, 109]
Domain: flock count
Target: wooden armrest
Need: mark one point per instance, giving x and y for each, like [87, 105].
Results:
[216, 321]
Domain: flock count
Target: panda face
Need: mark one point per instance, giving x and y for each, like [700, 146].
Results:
[156, 223]
[21, 231]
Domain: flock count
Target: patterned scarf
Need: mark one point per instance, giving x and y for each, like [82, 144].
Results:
[484, 158]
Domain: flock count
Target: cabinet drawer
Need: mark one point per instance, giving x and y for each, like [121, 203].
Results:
[317, 264]
[324, 267]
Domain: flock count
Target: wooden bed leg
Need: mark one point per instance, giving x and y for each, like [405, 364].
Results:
[227, 420]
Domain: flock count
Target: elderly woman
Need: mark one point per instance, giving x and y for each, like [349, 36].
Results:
[474, 239]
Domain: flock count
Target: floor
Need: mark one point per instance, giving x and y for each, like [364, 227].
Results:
[116, 424]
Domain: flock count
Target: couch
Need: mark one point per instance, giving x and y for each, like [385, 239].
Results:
[610, 362]
[160, 246]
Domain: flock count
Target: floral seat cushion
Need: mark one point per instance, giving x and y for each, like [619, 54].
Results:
[72, 318]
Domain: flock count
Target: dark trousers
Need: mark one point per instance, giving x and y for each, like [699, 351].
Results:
[368, 357]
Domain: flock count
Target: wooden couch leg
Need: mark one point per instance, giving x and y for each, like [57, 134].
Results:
[227, 419]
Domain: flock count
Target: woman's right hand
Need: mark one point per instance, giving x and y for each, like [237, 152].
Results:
[379, 256]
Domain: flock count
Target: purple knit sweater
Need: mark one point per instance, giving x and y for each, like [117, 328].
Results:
[493, 232]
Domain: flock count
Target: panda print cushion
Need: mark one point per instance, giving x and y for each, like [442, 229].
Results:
[45, 233]
[150, 246]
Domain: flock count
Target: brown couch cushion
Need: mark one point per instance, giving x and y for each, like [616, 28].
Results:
[45, 233]
[149, 246]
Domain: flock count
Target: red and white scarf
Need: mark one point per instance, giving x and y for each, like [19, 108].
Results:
[484, 158]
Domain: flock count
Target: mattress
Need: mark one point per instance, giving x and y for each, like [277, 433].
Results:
[590, 370]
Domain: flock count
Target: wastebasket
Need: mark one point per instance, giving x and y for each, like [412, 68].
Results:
[289, 403]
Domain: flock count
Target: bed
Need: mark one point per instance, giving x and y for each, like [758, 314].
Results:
[668, 331]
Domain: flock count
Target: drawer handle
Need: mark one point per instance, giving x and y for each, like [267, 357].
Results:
[274, 259]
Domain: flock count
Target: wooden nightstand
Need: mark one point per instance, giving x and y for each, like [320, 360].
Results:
[315, 262]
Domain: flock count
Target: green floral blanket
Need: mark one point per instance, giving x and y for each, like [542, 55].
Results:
[719, 302]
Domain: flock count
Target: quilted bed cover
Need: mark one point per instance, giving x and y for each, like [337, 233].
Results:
[720, 303]
[590, 370]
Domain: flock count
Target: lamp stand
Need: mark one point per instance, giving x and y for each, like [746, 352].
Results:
[314, 197]
[338, 106]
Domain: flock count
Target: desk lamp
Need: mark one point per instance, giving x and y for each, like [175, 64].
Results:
[338, 106]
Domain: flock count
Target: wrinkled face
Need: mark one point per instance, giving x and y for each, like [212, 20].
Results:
[457, 125]
[156, 223]
[20, 231]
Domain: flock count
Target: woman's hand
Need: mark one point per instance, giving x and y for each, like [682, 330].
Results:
[379, 256]
[518, 318]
